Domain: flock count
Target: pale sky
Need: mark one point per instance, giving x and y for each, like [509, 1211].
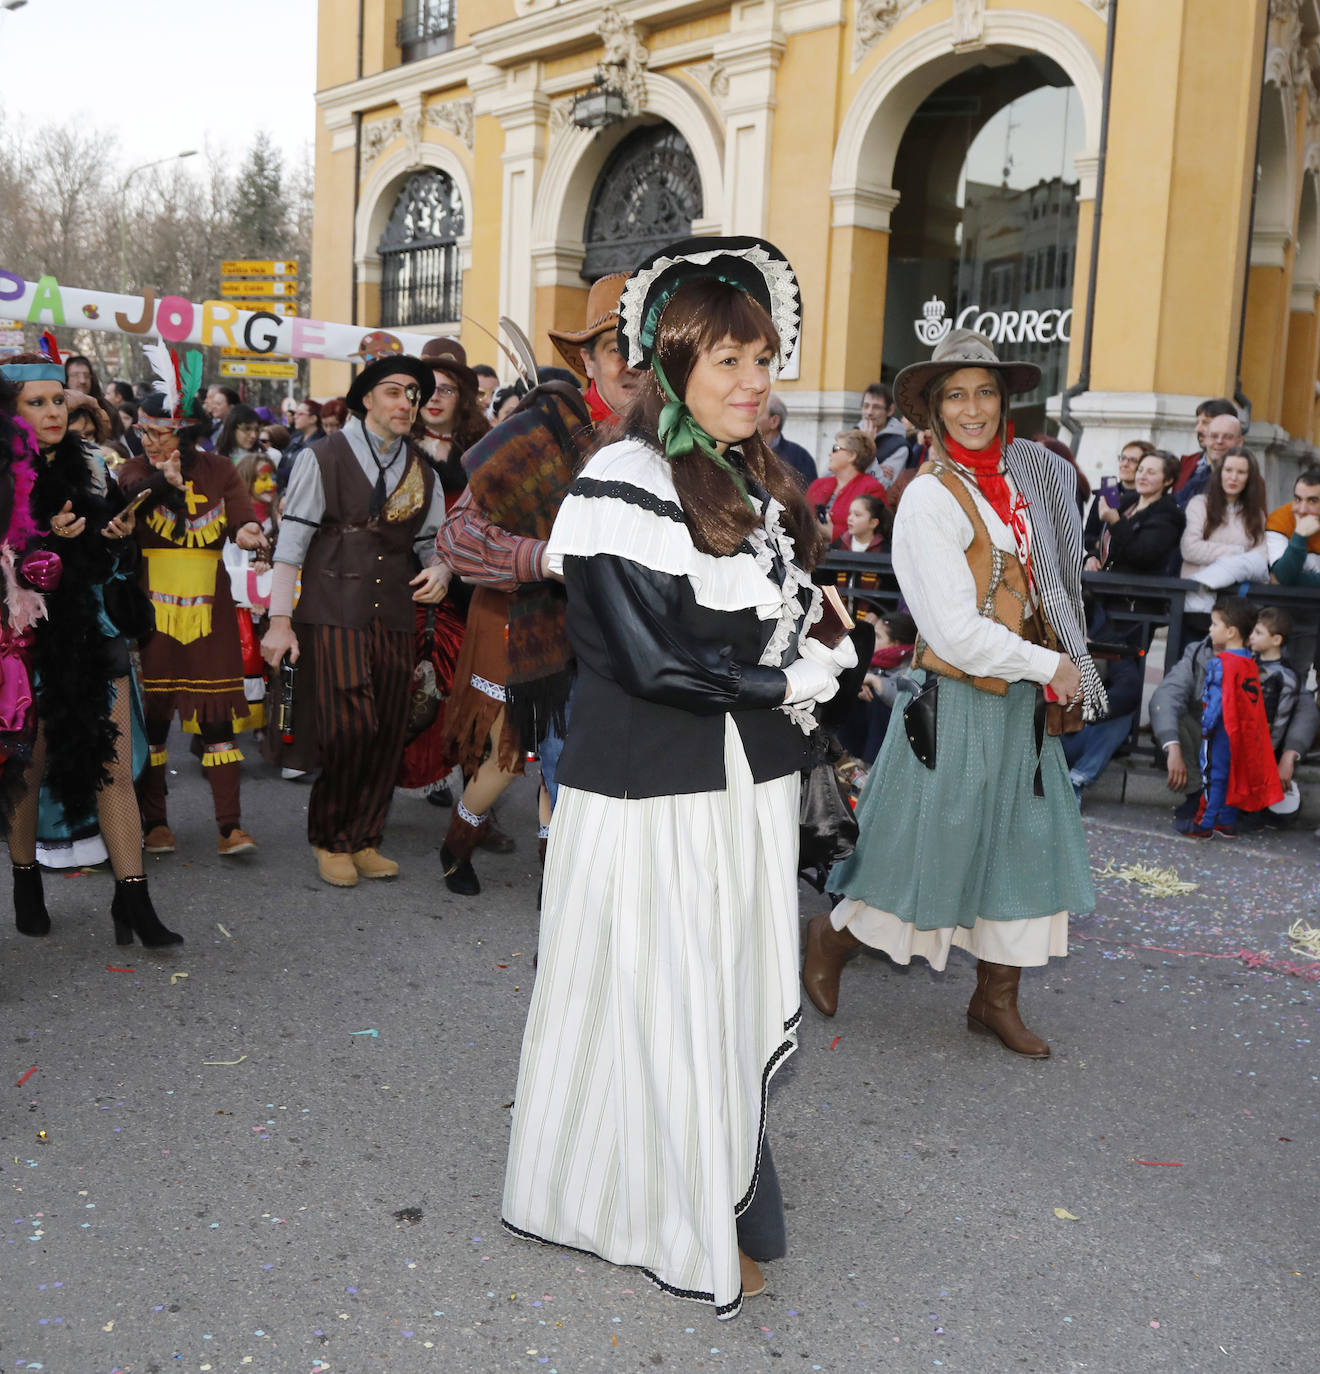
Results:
[166, 75]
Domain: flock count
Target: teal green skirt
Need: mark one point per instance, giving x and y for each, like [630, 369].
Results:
[969, 838]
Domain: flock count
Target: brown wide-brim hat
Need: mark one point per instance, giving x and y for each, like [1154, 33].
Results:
[447, 355]
[958, 349]
[602, 316]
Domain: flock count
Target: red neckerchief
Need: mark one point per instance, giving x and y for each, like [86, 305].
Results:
[601, 414]
[890, 656]
[986, 466]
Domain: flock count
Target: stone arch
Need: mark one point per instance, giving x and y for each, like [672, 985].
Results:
[1306, 269]
[901, 77]
[577, 156]
[380, 190]
[1276, 197]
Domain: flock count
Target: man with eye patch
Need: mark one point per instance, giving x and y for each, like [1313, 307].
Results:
[360, 518]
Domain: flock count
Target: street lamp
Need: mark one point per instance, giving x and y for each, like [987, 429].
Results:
[123, 191]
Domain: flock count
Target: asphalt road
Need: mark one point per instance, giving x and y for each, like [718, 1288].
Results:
[291, 1159]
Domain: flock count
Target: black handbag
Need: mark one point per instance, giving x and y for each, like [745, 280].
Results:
[920, 719]
[827, 827]
[129, 607]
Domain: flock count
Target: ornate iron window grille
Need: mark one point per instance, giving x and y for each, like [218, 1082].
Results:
[426, 28]
[421, 270]
[647, 195]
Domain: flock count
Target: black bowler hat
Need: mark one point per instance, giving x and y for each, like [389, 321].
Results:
[376, 371]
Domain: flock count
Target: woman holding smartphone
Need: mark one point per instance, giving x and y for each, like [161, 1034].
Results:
[1112, 490]
[84, 741]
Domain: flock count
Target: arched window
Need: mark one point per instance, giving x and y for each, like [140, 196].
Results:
[647, 195]
[421, 273]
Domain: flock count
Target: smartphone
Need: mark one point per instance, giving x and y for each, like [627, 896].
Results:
[1109, 489]
[142, 496]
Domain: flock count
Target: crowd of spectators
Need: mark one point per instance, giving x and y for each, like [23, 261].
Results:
[1202, 517]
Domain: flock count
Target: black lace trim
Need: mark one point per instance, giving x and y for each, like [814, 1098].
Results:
[775, 1060]
[692, 1294]
[635, 496]
[730, 1308]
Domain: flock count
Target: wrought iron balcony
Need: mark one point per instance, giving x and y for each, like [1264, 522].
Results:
[426, 28]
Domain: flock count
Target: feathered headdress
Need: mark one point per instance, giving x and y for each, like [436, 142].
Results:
[50, 348]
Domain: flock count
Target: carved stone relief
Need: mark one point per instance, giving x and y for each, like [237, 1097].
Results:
[711, 77]
[968, 23]
[457, 117]
[375, 137]
[626, 54]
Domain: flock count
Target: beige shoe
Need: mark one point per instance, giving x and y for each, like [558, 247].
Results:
[238, 841]
[372, 864]
[753, 1281]
[159, 840]
[335, 869]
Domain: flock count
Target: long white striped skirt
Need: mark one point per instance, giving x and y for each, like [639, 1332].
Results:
[666, 996]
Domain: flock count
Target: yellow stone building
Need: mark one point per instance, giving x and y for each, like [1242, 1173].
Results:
[922, 162]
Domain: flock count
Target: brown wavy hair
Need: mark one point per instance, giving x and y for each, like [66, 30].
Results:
[699, 316]
[1255, 506]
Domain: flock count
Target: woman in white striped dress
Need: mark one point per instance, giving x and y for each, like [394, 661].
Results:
[666, 994]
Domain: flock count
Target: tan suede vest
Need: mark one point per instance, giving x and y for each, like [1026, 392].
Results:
[1001, 589]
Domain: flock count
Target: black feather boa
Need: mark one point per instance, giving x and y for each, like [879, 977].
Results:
[73, 658]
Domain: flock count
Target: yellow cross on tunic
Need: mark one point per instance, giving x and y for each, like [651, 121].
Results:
[196, 500]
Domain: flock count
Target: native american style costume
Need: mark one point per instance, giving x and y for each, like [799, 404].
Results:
[515, 658]
[192, 666]
[360, 517]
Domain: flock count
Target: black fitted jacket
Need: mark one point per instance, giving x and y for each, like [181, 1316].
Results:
[657, 674]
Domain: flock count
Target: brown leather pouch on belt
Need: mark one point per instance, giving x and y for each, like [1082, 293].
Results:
[1061, 719]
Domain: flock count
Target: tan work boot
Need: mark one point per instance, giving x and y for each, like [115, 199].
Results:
[827, 952]
[159, 840]
[993, 1010]
[336, 869]
[238, 841]
[370, 863]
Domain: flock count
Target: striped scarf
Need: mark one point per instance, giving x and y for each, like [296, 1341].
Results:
[1050, 486]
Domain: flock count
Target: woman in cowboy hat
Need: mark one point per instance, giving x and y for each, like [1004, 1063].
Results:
[667, 994]
[988, 552]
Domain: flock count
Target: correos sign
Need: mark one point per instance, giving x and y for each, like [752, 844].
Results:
[999, 326]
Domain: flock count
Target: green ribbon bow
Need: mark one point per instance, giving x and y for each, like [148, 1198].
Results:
[680, 435]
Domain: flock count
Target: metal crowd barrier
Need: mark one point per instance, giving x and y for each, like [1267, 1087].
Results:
[1139, 605]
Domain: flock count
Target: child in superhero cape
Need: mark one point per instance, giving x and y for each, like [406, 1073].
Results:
[1237, 758]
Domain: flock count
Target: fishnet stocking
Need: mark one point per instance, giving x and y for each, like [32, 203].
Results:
[23, 824]
[116, 803]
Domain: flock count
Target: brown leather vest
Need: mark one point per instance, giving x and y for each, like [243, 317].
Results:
[1001, 590]
[358, 565]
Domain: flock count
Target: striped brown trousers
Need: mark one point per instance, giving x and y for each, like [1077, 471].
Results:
[363, 690]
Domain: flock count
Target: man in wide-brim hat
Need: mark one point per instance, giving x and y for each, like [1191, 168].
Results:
[362, 509]
[515, 672]
[593, 351]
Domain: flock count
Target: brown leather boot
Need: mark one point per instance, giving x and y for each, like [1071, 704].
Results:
[993, 1010]
[827, 952]
[456, 854]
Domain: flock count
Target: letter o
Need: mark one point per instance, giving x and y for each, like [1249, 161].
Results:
[174, 319]
[980, 325]
[266, 343]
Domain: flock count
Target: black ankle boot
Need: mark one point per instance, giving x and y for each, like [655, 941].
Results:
[134, 915]
[30, 914]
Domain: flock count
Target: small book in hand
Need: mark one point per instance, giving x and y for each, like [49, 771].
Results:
[834, 623]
